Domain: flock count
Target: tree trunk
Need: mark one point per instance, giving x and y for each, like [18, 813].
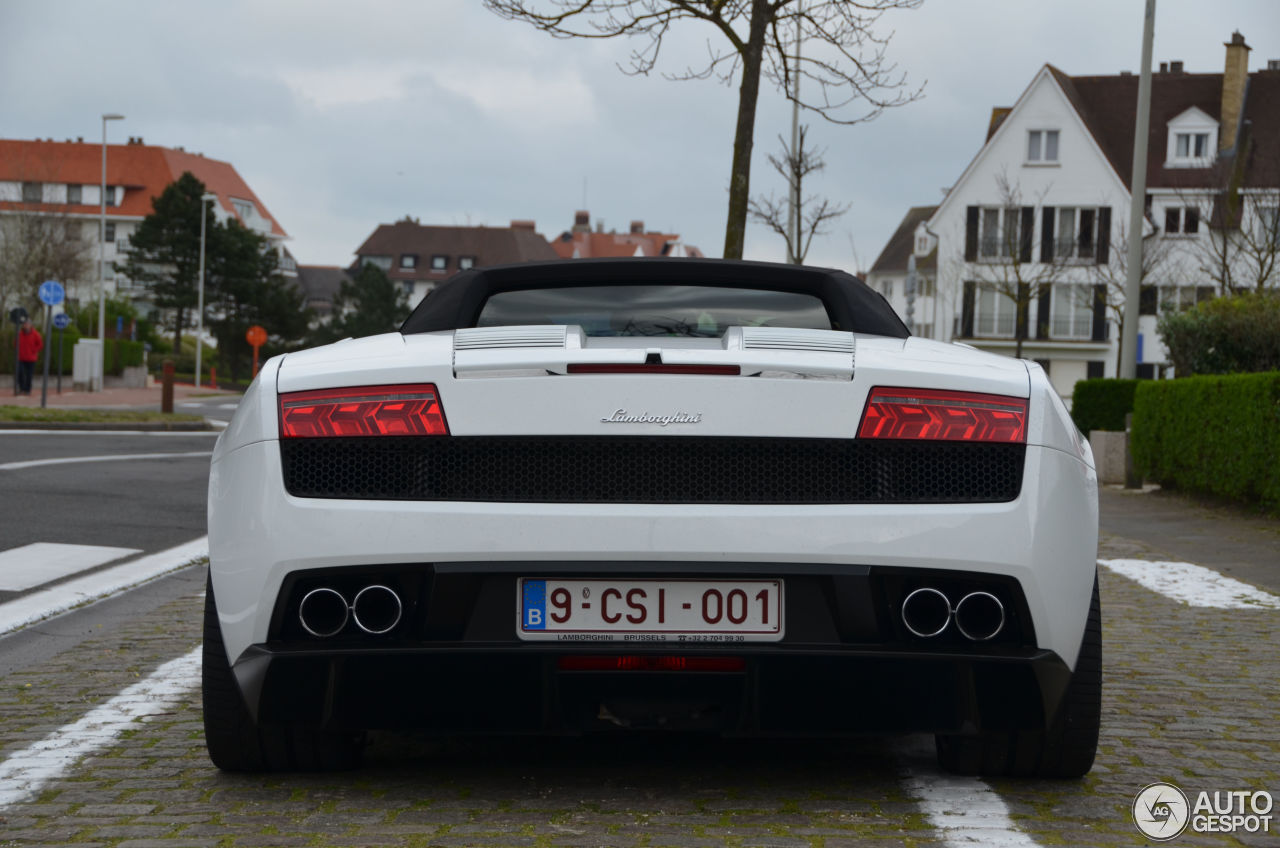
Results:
[740, 174]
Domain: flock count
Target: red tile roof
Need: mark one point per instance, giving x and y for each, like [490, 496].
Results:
[144, 171]
[597, 245]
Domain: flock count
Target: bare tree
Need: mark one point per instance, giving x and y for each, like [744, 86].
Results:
[849, 78]
[1114, 275]
[1008, 263]
[811, 213]
[1242, 251]
[37, 245]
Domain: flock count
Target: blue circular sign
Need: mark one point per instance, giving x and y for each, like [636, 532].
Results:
[51, 292]
[61, 321]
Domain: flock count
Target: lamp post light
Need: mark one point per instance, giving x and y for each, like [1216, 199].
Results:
[99, 378]
[204, 213]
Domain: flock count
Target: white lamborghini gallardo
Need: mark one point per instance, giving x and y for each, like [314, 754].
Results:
[653, 495]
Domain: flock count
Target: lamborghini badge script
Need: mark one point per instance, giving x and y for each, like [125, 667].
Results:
[621, 416]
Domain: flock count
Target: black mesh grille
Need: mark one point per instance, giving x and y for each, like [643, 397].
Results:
[651, 469]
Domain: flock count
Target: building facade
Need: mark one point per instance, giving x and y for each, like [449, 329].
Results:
[1031, 244]
[61, 182]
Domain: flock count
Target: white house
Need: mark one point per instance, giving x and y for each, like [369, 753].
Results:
[1037, 222]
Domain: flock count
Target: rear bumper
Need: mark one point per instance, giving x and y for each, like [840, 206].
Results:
[519, 689]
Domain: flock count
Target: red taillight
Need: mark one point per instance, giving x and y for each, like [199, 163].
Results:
[944, 416]
[652, 663]
[363, 411]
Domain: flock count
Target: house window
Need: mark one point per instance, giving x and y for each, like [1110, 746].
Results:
[111, 195]
[1269, 223]
[1177, 298]
[1077, 233]
[922, 245]
[109, 232]
[1072, 306]
[886, 288]
[1182, 220]
[74, 194]
[383, 262]
[1191, 145]
[466, 263]
[1042, 146]
[33, 192]
[999, 235]
[408, 288]
[243, 208]
[409, 260]
[439, 262]
[996, 314]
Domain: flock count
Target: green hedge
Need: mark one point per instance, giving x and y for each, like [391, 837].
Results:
[1218, 435]
[1226, 335]
[1102, 404]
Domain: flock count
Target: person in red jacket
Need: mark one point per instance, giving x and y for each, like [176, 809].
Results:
[29, 346]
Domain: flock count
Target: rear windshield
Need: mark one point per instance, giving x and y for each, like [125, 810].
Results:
[702, 311]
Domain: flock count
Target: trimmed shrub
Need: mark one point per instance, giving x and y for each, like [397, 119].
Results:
[1226, 335]
[1102, 404]
[1218, 435]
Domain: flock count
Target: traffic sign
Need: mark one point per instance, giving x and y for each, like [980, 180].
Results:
[256, 336]
[51, 292]
[61, 321]
[17, 315]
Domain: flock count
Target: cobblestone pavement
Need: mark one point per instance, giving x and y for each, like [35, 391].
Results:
[1189, 697]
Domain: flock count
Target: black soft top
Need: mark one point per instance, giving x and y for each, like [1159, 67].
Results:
[851, 303]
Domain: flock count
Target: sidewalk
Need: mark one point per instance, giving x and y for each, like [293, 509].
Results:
[115, 398]
[1164, 525]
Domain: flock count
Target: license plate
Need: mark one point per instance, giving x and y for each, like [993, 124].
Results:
[641, 610]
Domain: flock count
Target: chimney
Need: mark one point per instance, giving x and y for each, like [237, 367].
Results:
[582, 221]
[637, 228]
[523, 224]
[1175, 67]
[1164, 67]
[1234, 79]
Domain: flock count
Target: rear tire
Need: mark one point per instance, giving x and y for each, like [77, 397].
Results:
[237, 743]
[1066, 749]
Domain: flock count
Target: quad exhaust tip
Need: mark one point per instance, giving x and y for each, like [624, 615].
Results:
[927, 612]
[324, 612]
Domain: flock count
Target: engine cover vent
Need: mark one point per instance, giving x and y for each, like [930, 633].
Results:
[491, 338]
[778, 338]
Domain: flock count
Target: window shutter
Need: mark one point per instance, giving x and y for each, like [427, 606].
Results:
[1046, 234]
[1100, 312]
[971, 234]
[1042, 313]
[1095, 369]
[1104, 235]
[966, 310]
[1147, 300]
[1028, 230]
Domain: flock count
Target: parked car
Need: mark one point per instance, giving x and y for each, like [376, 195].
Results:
[653, 494]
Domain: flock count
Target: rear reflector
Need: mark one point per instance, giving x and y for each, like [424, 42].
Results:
[640, 368]
[652, 663]
[934, 414]
[363, 411]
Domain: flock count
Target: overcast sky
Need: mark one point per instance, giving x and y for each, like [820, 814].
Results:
[344, 115]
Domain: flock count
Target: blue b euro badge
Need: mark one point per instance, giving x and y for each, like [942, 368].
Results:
[535, 605]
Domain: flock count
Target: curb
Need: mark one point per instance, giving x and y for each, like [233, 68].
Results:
[188, 426]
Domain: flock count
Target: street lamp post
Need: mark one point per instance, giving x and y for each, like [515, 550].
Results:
[204, 213]
[102, 261]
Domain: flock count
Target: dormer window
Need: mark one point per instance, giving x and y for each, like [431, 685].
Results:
[439, 262]
[408, 261]
[1042, 146]
[1193, 140]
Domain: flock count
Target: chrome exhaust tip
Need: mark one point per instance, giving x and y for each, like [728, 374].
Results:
[323, 612]
[376, 609]
[979, 616]
[926, 612]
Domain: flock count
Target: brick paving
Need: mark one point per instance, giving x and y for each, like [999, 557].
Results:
[1189, 697]
[111, 398]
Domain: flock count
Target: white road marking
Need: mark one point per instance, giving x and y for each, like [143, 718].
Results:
[228, 406]
[26, 772]
[963, 810]
[112, 457]
[1193, 584]
[106, 433]
[46, 603]
[42, 562]
[188, 404]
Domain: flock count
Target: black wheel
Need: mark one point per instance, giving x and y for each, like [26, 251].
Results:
[237, 743]
[1066, 749]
